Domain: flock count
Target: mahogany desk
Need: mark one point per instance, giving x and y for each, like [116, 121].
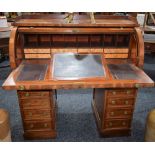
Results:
[48, 53]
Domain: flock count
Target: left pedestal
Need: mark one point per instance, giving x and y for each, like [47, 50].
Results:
[38, 114]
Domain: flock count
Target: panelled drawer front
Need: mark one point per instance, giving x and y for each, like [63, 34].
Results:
[120, 102]
[35, 103]
[118, 113]
[33, 94]
[121, 92]
[34, 125]
[36, 114]
[117, 124]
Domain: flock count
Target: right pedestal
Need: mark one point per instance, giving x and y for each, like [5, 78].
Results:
[113, 109]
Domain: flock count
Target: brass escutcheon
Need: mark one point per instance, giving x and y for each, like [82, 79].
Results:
[21, 87]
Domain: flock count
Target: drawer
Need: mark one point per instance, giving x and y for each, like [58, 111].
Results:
[121, 102]
[33, 94]
[149, 46]
[117, 124]
[35, 103]
[121, 92]
[34, 125]
[36, 114]
[118, 113]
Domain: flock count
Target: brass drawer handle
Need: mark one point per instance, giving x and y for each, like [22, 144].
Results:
[125, 112]
[114, 93]
[137, 85]
[113, 102]
[45, 125]
[126, 102]
[27, 94]
[31, 125]
[112, 113]
[123, 123]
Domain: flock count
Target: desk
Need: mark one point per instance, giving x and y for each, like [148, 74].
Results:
[101, 56]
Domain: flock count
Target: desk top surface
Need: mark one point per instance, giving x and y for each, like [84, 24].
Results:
[72, 71]
[77, 21]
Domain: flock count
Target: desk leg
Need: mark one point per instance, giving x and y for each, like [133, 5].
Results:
[113, 109]
[38, 114]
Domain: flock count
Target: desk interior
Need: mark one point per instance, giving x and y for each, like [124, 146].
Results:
[75, 66]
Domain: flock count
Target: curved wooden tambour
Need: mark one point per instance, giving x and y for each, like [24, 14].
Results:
[12, 48]
[140, 47]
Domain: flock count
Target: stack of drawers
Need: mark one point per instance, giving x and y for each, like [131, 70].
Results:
[118, 111]
[38, 113]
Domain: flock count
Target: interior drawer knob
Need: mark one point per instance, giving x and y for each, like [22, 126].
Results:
[113, 102]
[30, 113]
[45, 113]
[128, 92]
[31, 125]
[123, 123]
[112, 113]
[126, 102]
[114, 93]
[125, 112]
[110, 124]
[45, 125]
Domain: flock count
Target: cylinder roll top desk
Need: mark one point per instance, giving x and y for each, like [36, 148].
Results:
[50, 52]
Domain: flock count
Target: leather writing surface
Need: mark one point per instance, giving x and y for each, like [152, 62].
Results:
[31, 72]
[74, 66]
[124, 71]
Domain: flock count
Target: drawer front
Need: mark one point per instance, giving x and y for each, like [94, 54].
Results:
[120, 102]
[33, 94]
[117, 124]
[36, 114]
[34, 125]
[35, 103]
[118, 113]
[149, 46]
[121, 92]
